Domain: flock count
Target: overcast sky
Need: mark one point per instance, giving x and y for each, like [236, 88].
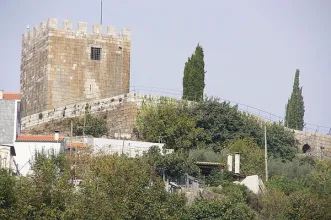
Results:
[252, 48]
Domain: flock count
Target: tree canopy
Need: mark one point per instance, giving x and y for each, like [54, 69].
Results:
[295, 109]
[194, 76]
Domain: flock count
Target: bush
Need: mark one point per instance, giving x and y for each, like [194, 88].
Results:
[291, 169]
[251, 155]
[93, 126]
[206, 155]
[220, 209]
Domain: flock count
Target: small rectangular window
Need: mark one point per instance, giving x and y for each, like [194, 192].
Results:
[95, 53]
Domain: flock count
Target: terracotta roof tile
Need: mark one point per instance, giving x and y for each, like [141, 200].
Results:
[12, 96]
[32, 138]
[77, 144]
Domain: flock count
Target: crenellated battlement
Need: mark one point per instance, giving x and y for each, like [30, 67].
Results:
[82, 29]
[63, 63]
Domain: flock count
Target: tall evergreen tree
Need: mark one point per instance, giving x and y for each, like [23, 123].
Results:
[295, 109]
[194, 76]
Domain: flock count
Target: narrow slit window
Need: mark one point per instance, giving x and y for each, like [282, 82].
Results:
[95, 53]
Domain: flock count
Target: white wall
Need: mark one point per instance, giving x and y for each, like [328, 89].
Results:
[113, 146]
[25, 152]
[5, 157]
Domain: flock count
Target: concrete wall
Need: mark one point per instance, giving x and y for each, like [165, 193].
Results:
[25, 153]
[57, 69]
[130, 148]
[315, 141]
[8, 121]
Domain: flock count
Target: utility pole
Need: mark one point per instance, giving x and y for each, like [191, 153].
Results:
[265, 153]
[71, 131]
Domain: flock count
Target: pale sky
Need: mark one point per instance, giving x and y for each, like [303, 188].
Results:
[252, 48]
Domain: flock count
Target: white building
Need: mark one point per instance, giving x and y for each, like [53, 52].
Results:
[127, 147]
[26, 146]
[9, 117]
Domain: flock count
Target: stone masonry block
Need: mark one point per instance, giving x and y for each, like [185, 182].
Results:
[67, 25]
[111, 30]
[126, 33]
[97, 28]
[82, 27]
[52, 23]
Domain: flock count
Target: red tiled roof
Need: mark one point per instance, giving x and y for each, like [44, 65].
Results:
[38, 138]
[77, 144]
[12, 96]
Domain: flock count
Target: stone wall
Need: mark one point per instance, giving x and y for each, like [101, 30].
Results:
[119, 111]
[57, 68]
[312, 142]
[7, 121]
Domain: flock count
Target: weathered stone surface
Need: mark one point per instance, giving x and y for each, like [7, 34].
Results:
[119, 111]
[315, 141]
[7, 121]
[57, 69]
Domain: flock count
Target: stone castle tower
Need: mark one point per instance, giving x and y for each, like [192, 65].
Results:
[60, 66]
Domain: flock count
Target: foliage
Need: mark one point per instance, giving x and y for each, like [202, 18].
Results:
[251, 155]
[7, 194]
[285, 184]
[275, 205]
[290, 169]
[217, 178]
[128, 189]
[169, 122]
[194, 76]
[206, 155]
[236, 192]
[222, 123]
[210, 124]
[115, 187]
[46, 193]
[281, 142]
[301, 192]
[89, 125]
[220, 209]
[219, 121]
[174, 165]
[295, 108]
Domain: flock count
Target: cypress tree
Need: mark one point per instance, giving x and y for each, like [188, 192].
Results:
[295, 109]
[194, 76]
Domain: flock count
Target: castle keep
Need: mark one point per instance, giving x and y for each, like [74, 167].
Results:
[62, 66]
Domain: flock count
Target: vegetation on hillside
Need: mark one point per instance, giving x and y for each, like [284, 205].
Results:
[295, 109]
[118, 187]
[209, 124]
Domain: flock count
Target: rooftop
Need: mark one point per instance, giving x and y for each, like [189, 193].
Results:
[11, 96]
[37, 138]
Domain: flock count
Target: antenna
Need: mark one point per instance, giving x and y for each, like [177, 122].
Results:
[101, 13]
